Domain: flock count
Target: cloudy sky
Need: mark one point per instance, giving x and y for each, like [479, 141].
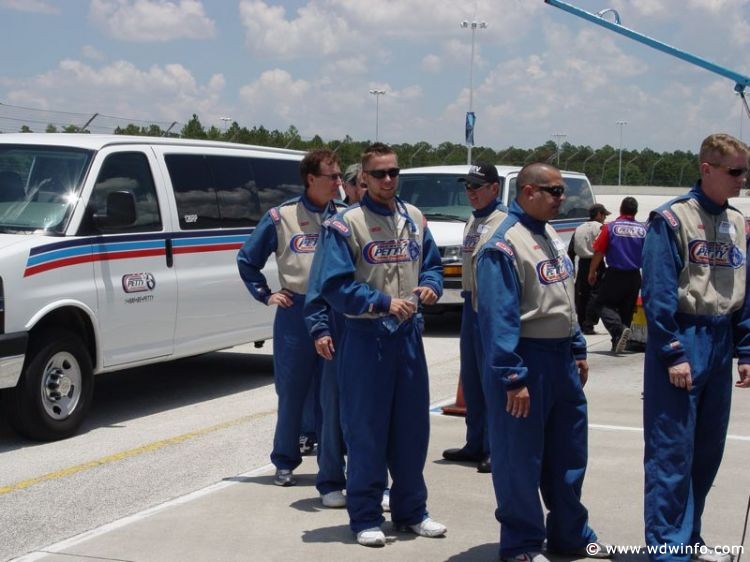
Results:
[310, 63]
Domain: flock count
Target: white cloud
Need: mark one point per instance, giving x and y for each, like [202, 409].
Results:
[152, 20]
[34, 6]
[168, 92]
[314, 31]
[432, 64]
[91, 52]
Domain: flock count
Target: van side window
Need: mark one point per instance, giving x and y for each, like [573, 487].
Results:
[128, 171]
[197, 202]
[276, 181]
[229, 191]
[239, 204]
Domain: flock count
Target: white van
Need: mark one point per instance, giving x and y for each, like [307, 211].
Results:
[442, 198]
[121, 251]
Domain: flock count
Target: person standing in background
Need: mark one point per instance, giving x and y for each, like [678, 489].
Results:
[482, 185]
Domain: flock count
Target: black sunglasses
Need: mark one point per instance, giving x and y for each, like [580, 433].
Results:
[553, 190]
[380, 174]
[332, 177]
[734, 172]
[474, 186]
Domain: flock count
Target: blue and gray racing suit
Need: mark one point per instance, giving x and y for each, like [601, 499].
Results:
[479, 228]
[372, 254]
[291, 232]
[526, 312]
[695, 298]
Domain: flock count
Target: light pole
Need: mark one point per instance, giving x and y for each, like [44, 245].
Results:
[619, 170]
[558, 137]
[377, 94]
[226, 121]
[473, 25]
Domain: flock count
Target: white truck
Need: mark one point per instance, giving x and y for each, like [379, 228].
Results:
[436, 191]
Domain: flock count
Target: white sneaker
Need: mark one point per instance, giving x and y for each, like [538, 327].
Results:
[428, 528]
[373, 536]
[527, 557]
[333, 499]
[710, 555]
[622, 343]
[386, 502]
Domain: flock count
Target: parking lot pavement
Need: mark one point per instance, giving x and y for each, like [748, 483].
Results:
[246, 517]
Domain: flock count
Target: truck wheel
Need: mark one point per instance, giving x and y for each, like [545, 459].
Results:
[55, 389]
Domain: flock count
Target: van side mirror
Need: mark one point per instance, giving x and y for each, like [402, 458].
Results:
[120, 211]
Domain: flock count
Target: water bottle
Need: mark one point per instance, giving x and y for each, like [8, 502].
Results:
[391, 322]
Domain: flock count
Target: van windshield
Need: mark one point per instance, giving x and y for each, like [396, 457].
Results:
[438, 196]
[39, 186]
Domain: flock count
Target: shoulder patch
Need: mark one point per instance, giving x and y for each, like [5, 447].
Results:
[336, 223]
[505, 248]
[275, 216]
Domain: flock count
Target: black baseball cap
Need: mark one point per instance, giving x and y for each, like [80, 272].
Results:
[596, 209]
[481, 173]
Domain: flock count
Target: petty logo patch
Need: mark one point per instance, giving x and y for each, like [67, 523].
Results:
[629, 230]
[470, 242]
[552, 271]
[715, 254]
[390, 251]
[303, 243]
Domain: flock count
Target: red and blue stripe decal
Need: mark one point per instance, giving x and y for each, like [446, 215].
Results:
[99, 248]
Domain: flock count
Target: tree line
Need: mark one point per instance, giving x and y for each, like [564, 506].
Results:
[601, 165]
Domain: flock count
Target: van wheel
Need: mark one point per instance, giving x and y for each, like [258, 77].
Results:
[55, 389]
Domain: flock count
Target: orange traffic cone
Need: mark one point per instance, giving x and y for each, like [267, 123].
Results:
[459, 408]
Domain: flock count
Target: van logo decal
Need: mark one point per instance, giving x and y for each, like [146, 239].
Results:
[138, 282]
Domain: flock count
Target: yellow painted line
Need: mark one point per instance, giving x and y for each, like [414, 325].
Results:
[116, 457]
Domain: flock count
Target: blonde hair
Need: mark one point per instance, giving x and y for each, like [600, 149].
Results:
[720, 145]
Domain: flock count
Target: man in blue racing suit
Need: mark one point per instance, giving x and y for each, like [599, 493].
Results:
[373, 258]
[534, 372]
[291, 232]
[696, 301]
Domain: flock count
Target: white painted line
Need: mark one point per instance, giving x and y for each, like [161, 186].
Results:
[730, 437]
[125, 521]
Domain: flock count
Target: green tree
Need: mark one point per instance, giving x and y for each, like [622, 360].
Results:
[193, 129]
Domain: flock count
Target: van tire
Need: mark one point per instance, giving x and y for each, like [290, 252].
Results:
[55, 390]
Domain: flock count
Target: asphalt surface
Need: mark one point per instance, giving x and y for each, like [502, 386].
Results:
[243, 516]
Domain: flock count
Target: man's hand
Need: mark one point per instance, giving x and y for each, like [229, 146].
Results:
[518, 402]
[680, 375]
[744, 372]
[324, 347]
[583, 371]
[282, 298]
[402, 309]
[426, 295]
[592, 278]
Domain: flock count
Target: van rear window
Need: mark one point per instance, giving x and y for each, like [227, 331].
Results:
[229, 191]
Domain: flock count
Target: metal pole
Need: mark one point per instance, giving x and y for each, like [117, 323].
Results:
[619, 171]
[473, 25]
[558, 137]
[377, 94]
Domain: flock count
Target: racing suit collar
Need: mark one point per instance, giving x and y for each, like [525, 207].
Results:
[534, 225]
[697, 193]
[377, 207]
[484, 211]
[310, 206]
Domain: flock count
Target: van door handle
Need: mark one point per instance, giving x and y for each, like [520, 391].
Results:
[168, 252]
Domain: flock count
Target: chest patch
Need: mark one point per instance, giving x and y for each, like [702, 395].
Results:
[552, 271]
[303, 243]
[715, 254]
[470, 242]
[390, 251]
